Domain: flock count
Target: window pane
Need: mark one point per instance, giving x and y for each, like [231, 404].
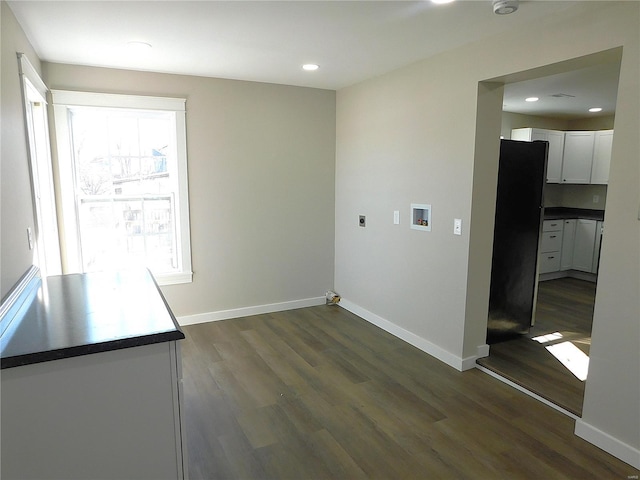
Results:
[127, 187]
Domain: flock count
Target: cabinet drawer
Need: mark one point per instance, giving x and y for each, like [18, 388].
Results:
[549, 262]
[551, 242]
[551, 225]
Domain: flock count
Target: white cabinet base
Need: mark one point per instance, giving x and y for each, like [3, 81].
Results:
[109, 415]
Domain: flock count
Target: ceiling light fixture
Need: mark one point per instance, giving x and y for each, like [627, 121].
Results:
[310, 67]
[442, 2]
[531, 99]
[595, 109]
[505, 7]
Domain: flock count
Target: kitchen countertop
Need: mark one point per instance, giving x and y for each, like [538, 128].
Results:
[556, 213]
[80, 314]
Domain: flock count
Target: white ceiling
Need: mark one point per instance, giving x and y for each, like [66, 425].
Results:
[268, 41]
[567, 95]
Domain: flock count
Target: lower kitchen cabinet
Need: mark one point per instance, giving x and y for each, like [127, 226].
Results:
[596, 248]
[584, 245]
[569, 245]
[568, 239]
[550, 246]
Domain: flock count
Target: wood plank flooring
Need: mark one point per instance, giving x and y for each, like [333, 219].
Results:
[318, 393]
[564, 306]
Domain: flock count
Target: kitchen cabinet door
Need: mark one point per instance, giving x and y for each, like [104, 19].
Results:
[568, 239]
[556, 148]
[550, 245]
[549, 262]
[601, 157]
[584, 245]
[578, 157]
[551, 242]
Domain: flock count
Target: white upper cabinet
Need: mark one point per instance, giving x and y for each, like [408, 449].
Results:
[575, 156]
[556, 148]
[578, 157]
[601, 157]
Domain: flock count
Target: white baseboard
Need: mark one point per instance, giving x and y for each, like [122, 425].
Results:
[483, 351]
[470, 362]
[247, 311]
[409, 337]
[609, 444]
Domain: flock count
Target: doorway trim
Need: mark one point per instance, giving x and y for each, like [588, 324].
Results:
[483, 197]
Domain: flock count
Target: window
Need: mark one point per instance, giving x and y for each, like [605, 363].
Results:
[123, 179]
[35, 108]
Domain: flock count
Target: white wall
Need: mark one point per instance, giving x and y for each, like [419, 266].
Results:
[261, 185]
[575, 196]
[519, 120]
[15, 192]
[428, 133]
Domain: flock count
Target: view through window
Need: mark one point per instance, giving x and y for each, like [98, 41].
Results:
[125, 173]
[126, 201]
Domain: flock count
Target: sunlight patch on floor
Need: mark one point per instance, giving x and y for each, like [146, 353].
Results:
[574, 359]
[549, 337]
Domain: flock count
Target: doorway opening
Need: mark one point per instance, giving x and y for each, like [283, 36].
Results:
[551, 360]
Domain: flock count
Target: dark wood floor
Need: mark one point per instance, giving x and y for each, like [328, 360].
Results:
[564, 306]
[319, 393]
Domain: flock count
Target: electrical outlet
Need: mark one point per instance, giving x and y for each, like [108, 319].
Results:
[362, 221]
[596, 198]
[30, 238]
[396, 217]
[457, 226]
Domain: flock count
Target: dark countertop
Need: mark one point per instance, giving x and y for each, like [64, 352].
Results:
[79, 314]
[556, 213]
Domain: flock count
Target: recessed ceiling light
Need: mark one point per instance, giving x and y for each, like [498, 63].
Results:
[441, 2]
[310, 67]
[595, 109]
[531, 99]
[139, 47]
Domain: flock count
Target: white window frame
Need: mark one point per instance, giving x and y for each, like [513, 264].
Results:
[62, 100]
[34, 92]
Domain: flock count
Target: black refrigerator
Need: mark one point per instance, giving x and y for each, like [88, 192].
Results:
[518, 221]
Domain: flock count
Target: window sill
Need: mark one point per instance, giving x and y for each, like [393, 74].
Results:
[173, 278]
